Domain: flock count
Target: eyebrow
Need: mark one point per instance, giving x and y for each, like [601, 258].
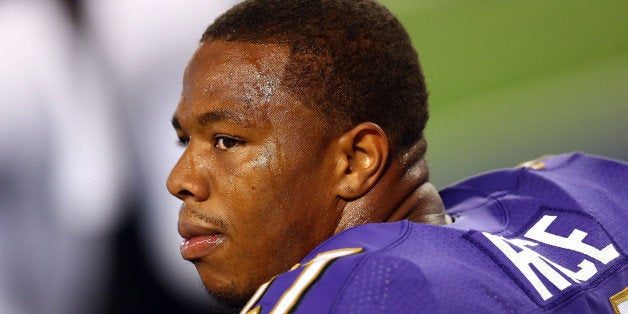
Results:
[215, 116]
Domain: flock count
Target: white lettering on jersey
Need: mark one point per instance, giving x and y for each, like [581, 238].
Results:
[572, 242]
[525, 258]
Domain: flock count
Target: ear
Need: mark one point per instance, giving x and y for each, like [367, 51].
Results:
[361, 158]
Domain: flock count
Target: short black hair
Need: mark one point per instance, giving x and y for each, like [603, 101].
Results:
[352, 60]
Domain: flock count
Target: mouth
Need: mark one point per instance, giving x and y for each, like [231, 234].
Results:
[198, 241]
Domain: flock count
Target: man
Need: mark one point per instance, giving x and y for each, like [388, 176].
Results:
[304, 175]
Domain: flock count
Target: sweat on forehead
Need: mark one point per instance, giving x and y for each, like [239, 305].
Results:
[258, 69]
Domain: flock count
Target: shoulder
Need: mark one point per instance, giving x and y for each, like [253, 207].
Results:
[315, 284]
[576, 182]
[562, 170]
[344, 280]
[418, 268]
[556, 227]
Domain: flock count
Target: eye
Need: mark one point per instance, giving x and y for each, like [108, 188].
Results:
[183, 141]
[226, 142]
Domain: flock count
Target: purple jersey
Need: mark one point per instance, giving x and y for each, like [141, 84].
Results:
[548, 237]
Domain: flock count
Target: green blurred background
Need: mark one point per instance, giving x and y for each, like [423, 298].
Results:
[513, 80]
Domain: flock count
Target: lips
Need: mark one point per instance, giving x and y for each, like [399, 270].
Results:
[198, 241]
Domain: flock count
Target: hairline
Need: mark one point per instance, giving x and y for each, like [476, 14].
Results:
[336, 121]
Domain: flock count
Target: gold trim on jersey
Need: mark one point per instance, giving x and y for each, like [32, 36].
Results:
[617, 299]
[258, 295]
[308, 275]
[534, 164]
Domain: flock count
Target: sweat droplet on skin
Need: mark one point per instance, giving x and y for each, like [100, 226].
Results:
[261, 160]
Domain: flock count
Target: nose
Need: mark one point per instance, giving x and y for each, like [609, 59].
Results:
[186, 181]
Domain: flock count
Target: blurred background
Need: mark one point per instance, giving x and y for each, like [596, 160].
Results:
[88, 89]
[511, 81]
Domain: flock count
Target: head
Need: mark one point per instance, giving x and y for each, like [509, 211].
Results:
[290, 111]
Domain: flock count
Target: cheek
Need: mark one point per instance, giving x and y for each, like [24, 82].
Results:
[261, 167]
[251, 179]
[273, 183]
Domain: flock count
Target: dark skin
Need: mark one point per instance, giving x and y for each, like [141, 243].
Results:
[264, 179]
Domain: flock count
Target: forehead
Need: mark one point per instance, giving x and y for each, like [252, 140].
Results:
[263, 57]
[251, 73]
[244, 81]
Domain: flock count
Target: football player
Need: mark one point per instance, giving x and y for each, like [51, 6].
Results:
[305, 188]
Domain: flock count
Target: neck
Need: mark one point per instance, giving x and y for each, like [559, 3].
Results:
[420, 201]
[401, 193]
[422, 205]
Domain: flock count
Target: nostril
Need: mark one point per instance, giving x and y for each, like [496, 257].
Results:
[185, 193]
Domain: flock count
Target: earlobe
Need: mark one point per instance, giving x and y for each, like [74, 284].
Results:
[362, 156]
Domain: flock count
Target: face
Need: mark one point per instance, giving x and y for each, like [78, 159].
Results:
[252, 176]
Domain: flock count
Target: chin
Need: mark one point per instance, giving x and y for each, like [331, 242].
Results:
[222, 306]
[230, 299]
[228, 295]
